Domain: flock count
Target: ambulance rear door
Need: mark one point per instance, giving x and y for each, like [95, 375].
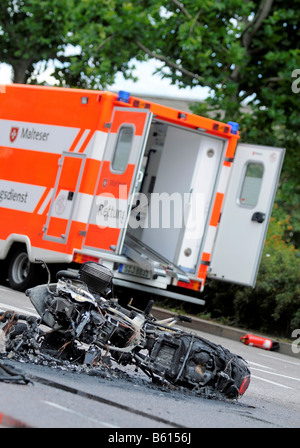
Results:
[246, 212]
[119, 174]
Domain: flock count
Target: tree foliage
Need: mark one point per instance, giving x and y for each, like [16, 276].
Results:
[244, 52]
[31, 31]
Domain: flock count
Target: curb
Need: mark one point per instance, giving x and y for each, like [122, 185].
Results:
[219, 330]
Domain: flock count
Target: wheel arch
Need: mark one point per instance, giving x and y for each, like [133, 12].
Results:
[13, 242]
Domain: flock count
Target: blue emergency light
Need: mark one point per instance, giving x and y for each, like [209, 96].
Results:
[123, 96]
[234, 127]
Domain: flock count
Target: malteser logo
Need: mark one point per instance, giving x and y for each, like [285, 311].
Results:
[28, 134]
[13, 134]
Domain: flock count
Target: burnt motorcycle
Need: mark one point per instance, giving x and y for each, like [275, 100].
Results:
[81, 307]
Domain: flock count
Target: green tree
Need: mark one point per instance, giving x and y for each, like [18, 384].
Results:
[244, 52]
[31, 31]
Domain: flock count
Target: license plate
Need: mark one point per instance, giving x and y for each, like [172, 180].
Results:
[134, 270]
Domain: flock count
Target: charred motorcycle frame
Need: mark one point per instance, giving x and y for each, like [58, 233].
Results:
[80, 307]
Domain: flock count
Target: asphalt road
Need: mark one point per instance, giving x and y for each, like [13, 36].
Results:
[126, 399]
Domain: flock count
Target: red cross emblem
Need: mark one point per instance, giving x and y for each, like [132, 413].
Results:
[13, 134]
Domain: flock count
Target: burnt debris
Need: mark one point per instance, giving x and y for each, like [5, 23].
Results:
[82, 327]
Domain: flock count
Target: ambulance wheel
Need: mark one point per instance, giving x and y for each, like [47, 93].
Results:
[3, 272]
[21, 272]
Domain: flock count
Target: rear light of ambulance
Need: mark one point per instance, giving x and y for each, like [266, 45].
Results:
[83, 258]
[193, 285]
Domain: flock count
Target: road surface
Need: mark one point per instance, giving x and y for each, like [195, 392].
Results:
[127, 399]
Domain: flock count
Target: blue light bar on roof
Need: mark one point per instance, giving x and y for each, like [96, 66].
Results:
[234, 127]
[123, 96]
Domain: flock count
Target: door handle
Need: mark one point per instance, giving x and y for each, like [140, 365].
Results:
[258, 217]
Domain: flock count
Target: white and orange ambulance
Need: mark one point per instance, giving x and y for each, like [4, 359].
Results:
[162, 197]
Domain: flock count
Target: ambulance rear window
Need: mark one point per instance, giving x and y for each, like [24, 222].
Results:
[122, 150]
[251, 184]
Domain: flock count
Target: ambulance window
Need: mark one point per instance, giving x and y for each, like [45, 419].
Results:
[121, 155]
[251, 184]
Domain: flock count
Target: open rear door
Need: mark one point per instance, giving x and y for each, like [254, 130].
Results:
[119, 173]
[245, 216]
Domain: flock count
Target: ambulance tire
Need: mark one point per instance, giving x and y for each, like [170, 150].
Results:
[21, 273]
[3, 272]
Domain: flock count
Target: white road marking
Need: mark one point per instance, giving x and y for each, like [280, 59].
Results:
[259, 365]
[71, 411]
[277, 374]
[271, 382]
[5, 307]
[283, 360]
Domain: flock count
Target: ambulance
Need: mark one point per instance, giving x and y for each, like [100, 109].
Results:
[164, 198]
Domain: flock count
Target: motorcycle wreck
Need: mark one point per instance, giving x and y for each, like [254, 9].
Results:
[81, 321]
